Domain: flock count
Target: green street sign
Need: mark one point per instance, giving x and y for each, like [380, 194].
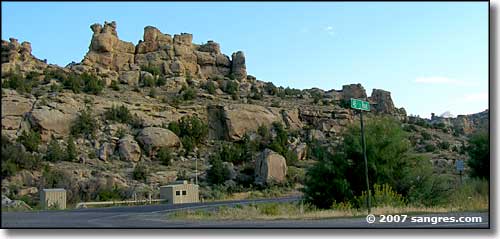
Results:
[360, 105]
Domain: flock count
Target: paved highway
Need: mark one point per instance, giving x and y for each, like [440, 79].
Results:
[155, 216]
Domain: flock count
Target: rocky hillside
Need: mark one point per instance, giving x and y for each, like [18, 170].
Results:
[142, 115]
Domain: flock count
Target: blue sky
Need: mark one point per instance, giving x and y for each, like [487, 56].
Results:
[433, 57]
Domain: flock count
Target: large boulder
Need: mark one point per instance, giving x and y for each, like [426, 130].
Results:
[270, 167]
[129, 149]
[107, 149]
[153, 138]
[231, 122]
[52, 122]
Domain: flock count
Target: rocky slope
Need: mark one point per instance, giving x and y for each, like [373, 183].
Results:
[236, 106]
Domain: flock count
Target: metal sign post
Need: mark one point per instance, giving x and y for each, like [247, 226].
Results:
[460, 167]
[363, 106]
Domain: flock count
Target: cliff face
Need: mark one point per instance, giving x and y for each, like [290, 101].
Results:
[465, 124]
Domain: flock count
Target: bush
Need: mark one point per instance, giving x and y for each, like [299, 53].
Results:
[161, 81]
[295, 175]
[210, 87]
[92, 84]
[218, 173]
[164, 155]
[18, 83]
[73, 82]
[140, 172]
[231, 153]
[316, 97]
[444, 145]
[154, 70]
[71, 149]
[85, 124]
[114, 194]
[271, 89]
[174, 127]
[54, 151]
[52, 178]
[231, 87]
[15, 158]
[426, 136]
[479, 153]
[326, 181]
[119, 114]
[30, 139]
[188, 143]
[381, 196]
[193, 126]
[336, 177]
[429, 147]
[188, 93]
[149, 82]
[114, 85]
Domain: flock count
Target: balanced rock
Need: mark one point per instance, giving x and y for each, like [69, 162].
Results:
[270, 167]
[153, 138]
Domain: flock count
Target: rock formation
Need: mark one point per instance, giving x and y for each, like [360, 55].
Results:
[270, 167]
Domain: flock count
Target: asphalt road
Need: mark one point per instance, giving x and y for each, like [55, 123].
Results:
[155, 216]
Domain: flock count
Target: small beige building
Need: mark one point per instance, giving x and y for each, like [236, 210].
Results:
[53, 198]
[180, 192]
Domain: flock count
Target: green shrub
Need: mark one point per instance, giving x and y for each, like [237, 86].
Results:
[295, 175]
[58, 75]
[73, 82]
[164, 155]
[444, 145]
[71, 149]
[149, 82]
[154, 70]
[174, 127]
[218, 173]
[188, 143]
[161, 81]
[429, 147]
[30, 139]
[84, 124]
[210, 87]
[140, 172]
[114, 194]
[18, 83]
[119, 114]
[114, 85]
[194, 127]
[382, 196]
[121, 132]
[54, 152]
[14, 158]
[426, 136]
[316, 97]
[188, 93]
[271, 89]
[479, 153]
[52, 178]
[92, 84]
[231, 153]
[231, 87]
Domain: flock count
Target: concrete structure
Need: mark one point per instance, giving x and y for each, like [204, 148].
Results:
[54, 197]
[180, 192]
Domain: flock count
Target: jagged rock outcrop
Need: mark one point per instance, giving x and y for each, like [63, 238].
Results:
[107, 51]
[270, 167]
[381, 101]
[15, 108]
[465, 124]
[174, 56]
[356, 91]
[18, 57]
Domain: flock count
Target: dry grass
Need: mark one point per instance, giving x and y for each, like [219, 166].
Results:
[291, 211]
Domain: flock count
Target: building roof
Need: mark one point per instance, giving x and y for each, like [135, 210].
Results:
[54, 190]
